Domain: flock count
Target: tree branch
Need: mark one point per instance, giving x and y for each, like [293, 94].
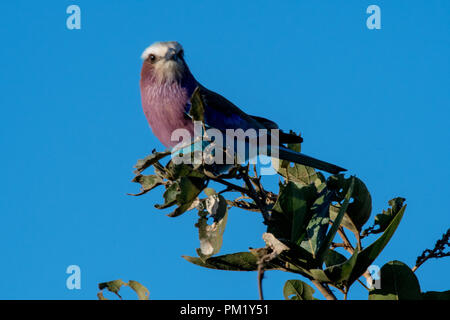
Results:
[347, 245]
[437, 252]
[254, 195]
[327, 293]
[260, 278]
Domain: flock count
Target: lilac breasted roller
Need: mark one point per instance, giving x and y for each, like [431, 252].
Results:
[167, 85]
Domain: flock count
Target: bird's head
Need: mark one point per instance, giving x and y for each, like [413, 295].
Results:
[164, 61]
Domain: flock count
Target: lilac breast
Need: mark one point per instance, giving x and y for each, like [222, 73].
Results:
[165, 108]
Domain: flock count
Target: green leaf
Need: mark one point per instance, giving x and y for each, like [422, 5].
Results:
[241, 261]
[112, 286]
[340, 273]
[319, 275]
[170, 196]
[398, 282]
[383, 219]
[181, 209]
[358, 211]
[367, 256]
[318, 224]
[148, 183]
[143, 164]
[177, 171]
[295, 201]
[435, 295]
[141, 291]
[291, 211]
[183, 193]
[298, 290]
[190, 188]
[333, 258]
[325, 245]
[298, 173]
[115, 286]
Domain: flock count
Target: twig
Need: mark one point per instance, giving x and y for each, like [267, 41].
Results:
[254, 195]
[265, 257]
[230, 185]
[260, 278]
[437, 252]
[249, 191]
[340, 245]
[227, 189]
[347, 245]
[243, 205]
[362, 283]
[327, 293]
[255, 172]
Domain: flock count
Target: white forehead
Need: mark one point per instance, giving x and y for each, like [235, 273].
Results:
[160, 49]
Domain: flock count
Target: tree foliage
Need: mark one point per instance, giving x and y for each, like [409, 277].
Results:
[308, 221]
[304, 220]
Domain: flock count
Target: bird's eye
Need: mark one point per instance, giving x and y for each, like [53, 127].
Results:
[152, 57]
[181, 54]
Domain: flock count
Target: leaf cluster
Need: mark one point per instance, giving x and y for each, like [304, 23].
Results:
[307, 220]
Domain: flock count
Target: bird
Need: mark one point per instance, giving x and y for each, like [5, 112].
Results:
[166, 87]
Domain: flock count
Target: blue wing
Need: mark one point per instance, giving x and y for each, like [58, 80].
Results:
[222, 114]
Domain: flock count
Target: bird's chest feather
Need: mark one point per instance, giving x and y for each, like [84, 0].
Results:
[165, 108]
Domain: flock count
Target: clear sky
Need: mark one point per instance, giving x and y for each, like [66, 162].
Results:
[72, 127]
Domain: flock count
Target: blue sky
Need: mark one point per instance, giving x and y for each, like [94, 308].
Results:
[72, 127]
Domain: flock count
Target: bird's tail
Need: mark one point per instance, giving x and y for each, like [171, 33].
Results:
[283, 154]
[293, 156]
